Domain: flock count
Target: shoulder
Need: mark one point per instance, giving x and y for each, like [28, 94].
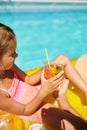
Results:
[4, 93]
[21, 74]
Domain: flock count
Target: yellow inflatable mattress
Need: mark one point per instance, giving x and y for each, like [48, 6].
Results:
[74, 95]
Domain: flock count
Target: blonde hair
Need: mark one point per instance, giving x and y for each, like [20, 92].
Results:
[6, 35]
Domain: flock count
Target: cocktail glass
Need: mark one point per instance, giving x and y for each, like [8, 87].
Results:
[52, 70]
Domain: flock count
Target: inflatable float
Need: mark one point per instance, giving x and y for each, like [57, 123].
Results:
[74, 95]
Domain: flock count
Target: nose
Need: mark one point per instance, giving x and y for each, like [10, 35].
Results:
[16, 55]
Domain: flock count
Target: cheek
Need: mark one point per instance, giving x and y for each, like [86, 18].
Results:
[9, 66]
[9, 63]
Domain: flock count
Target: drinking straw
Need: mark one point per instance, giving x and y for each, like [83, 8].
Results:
[48, 61]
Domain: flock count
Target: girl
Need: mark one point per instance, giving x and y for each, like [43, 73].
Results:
[19, 93]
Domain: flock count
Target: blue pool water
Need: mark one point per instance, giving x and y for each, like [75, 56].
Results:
[59, 30]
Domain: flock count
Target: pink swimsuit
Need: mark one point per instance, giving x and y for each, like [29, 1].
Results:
[21, 92]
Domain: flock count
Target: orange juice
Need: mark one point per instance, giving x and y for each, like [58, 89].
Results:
[51, 71]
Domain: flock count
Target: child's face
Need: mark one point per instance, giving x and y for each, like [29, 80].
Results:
[8, 58]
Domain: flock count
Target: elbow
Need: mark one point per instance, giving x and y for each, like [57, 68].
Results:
[26, 111]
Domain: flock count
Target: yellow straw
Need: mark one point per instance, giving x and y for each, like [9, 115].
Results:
[48, 61]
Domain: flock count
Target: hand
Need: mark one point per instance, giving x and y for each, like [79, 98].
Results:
[62, 89]
[64, 86]
[50, 85]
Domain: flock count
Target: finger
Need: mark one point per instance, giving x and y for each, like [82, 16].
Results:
[64, 86]
[66, 83]
[59, 84]
[56, 77]
[60, 73]
[58, 81]
[42, 74]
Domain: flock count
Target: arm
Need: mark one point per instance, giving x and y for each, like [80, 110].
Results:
[11, 106]
[32, 79]
[62, 99]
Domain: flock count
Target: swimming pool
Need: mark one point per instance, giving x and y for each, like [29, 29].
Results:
[60, 30]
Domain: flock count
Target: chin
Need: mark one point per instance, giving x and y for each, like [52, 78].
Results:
[10, 67]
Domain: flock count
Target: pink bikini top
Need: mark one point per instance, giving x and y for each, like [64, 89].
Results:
[11, 91]
[20, 91]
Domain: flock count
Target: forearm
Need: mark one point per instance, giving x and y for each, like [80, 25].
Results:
[14, 107]
[64, 104]
[32, 79]
[34, 104]
[35, 78]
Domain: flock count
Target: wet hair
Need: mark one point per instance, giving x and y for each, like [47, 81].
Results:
[6, 35]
